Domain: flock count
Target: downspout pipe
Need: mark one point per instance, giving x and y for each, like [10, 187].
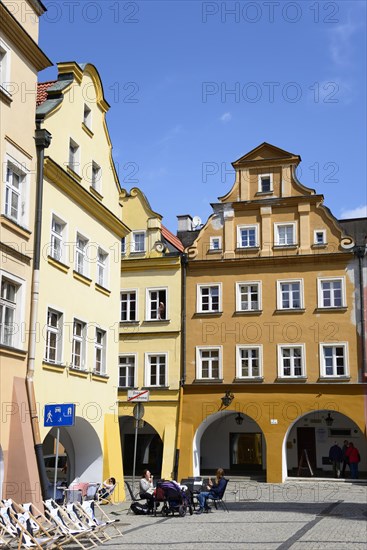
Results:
[43, 140]
[360, 252]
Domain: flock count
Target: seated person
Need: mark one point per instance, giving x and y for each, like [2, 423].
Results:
[146, 488]
[214, 489]
[107, 488]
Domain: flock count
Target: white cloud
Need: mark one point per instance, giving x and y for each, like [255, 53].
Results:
[358, 212]
[341, 42]
[226, 117]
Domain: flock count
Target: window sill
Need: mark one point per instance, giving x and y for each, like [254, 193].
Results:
[285, 246]
[129, 323]
[95, 193]
[215, 251]
[82, 278]
[290, 310]
[158, 321]
[248, 312]
[12, 351]
[155, 388]
[208, 313]
[208, 381]
[319, 245]
[248, 380]
[73, 174]
[59, 265]
[5, 96]
[263, 193]
[247, 249]
[100, 377]
[87, 130]
[14, 226]
[102, 289]
[78, 372]
[55, 367]
[137, 253]
[292, 379]
[328, 309]
[341, 378]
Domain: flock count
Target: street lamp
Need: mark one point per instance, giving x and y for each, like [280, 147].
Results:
[239, 419]
[329, 420]
[227, 399]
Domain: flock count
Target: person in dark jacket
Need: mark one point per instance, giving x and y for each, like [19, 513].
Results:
[214, 489]
[336, 456]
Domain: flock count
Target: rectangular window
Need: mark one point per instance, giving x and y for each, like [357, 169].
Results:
[102, 262]
[157, 304]
[333, 358]
[320, 236]
[247, 236]
[331, 293]
[248, 296]
[74, 156]
[208, 298]
[78, 346]
[128, 305]
[81, 258]
[265, 183]
[57, 238]
[96, 176]
[5, 52]
[87, 116]
[209, 363]
[127, 371]
[138, 241]
[9, 303]
[15, 194]
[123, 246]
[155, 369]
[53, 336]
[291, 361]
[248, 362]
[215, 243]
[290, 295]
[100, 352]
[285, 234]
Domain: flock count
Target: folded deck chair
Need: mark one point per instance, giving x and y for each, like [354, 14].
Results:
[27, 539]
[8, 530]
[88, 508]
[66, 527]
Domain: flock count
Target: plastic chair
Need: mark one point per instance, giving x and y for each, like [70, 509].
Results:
[218, 499]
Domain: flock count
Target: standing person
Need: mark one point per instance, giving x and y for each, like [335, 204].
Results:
[353, 458]
[214, 489]
[146, 488]
[345, 458]
[336, 456]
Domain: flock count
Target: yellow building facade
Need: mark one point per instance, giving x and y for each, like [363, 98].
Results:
[150, 338]
[78, 308]
[273, 360]
[21, 59]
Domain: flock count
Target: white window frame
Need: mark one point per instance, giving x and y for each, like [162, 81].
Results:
[134, 234]
[280, 348]
[199, 369]
[102, 267]
[58, 237]
[123, 246]
[248, 227]
[129, 292]
[87, 116]
[147, 370]
[280, 294]
[74, 156]
[160, 314]
[239, 348]
[128, 367]
[58, 331]
[277, 226]
[96, 176]
[78, 339]
[320, 292]
[13, 166]
[199, 298]
[100, 348]
[5, 60]
[319, 231]
[212, 242]
[17, 307]
[239, 285]
[81, 255]
[334, 345]
[260, 177]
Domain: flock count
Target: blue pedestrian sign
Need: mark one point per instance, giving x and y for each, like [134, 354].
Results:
[59, 415]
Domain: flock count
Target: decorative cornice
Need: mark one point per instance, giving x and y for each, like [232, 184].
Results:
[27, 46]
[142, 264]
[20, 149]
[83, 198]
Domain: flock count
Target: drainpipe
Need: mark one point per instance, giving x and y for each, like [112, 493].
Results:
[183, 361]
[360, 252]
[43, 140]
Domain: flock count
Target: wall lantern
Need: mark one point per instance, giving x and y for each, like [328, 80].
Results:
[329, 420]
[227, 399]
[239, 419]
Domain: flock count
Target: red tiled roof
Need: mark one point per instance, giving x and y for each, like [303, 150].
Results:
[42, 88]
[170, 237]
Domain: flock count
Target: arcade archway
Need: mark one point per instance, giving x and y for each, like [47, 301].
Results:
[149, 452]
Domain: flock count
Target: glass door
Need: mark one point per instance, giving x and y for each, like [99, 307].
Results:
[245, 452]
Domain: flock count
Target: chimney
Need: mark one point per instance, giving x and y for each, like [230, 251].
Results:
[184, 223]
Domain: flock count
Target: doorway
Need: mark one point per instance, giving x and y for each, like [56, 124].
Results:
[306, 441]
[245, 452]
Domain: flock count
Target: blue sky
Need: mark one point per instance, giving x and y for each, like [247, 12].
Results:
[195, 85]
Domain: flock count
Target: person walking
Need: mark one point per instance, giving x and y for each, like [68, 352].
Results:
[345, 458]
[336, 456]
[353, 458]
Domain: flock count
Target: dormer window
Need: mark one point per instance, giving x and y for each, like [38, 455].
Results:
[319, 237]
[74, 156]
[265, 183]
[87, 117]
[96, 176]
[215, 243]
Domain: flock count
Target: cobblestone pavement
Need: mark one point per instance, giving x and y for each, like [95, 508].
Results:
[293, 515]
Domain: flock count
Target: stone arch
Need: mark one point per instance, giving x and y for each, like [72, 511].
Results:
[149, 447]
